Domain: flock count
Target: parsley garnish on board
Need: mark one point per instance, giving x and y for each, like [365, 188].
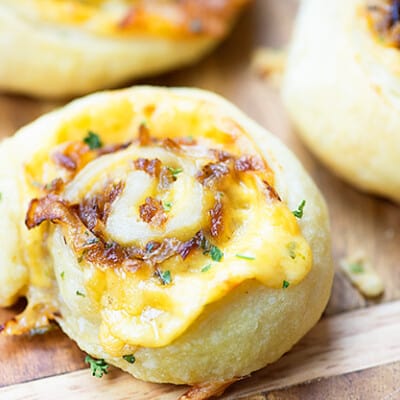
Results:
[356, 268]
[98, 367]
[299, 212]
[285, 284]
[93, 140]
[130, 358]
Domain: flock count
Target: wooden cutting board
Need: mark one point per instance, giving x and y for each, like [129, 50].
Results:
[356, 346]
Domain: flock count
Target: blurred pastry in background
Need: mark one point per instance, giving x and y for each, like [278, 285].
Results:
[342, 89]
[55, 49]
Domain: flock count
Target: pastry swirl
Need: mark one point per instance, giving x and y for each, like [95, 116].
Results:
[341, 89]
[90, 45]
[159, 216]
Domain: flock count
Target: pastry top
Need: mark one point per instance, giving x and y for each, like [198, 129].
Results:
[127, 18]
[163, 198]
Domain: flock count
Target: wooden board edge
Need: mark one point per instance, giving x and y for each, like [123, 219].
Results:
[337, 345]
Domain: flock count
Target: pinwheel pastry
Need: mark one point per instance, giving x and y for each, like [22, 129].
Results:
[342, 89]
[165, 232]
[59, 48]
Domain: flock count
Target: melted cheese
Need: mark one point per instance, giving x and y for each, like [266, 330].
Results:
[261, 239]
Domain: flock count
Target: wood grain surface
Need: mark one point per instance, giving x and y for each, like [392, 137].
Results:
[338, 345]
[359, 221]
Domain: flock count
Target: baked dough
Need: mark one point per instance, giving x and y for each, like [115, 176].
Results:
[63, 48]
[342, 88]
[172, 235]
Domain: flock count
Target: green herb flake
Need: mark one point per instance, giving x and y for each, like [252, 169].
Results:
[78, 293]
[167, 206]
[356, 268]
[175, 171]
[62, 274]
[1, 196]
[208, 248]
[285, 284]
[130, 358]
[245, 257]
[216, 253]
[149, 247]
[93, 140]
[291, 246]
[98, 367]
[165, 277]
[91, 241]
[300, 210]
[206, 268]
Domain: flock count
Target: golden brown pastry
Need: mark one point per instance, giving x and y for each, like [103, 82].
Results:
[166, 232]
[342, 89]
[59, 48]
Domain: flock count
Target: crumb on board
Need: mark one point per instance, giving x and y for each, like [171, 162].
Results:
[362, 275]
[270, 64]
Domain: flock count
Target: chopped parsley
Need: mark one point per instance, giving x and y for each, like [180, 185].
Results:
[78, 293]
[62, 275]
[93, 140]
[165, 277]
[167, 206]
[149, 247]
[291, 246]
[206, 268]
[356, 268]
[1, 196]
[91, 241]
[208, 248]
[244, 257]
[130, 358]
[285, 284]
[98, 367]
[175, 171]
[216, 253]
[300, 210]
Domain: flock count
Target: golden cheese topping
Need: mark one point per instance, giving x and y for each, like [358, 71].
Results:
[161, 207]
[135, 17]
